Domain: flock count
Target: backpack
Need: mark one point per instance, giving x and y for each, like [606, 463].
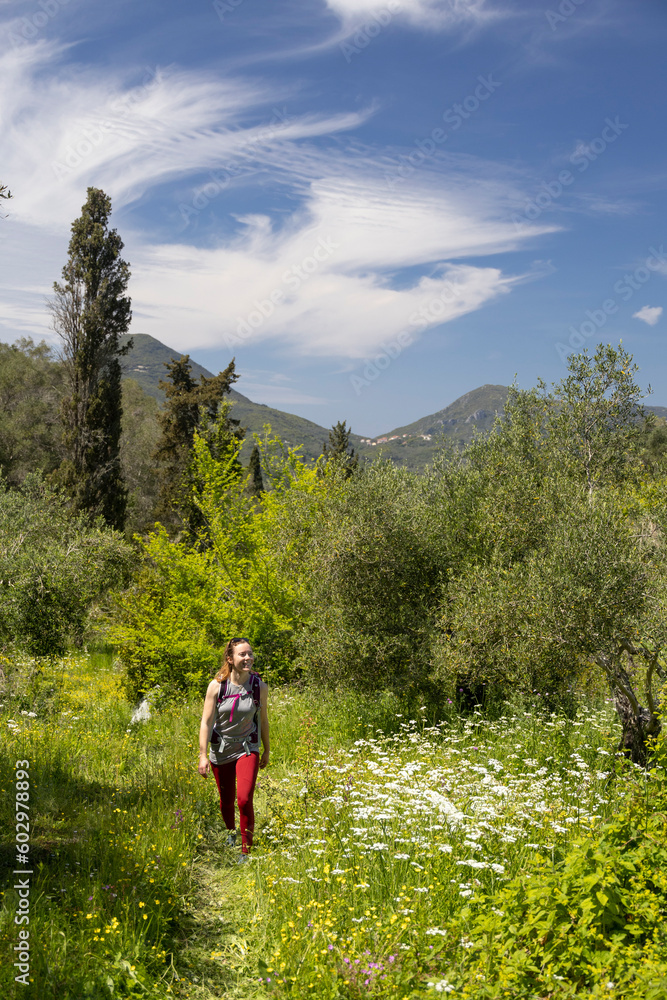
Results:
[224, 692]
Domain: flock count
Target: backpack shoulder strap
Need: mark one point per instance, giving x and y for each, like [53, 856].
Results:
[255, 683]
[222, 690]
[255, 688]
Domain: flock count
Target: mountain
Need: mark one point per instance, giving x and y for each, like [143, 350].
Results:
[475, 410]
[412, 445]
[415, 444]
[145, 363]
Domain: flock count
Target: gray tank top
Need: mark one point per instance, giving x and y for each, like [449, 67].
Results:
[235, 720]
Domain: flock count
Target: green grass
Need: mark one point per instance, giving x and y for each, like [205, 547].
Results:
[115, 814]
[376, 865]
[384, 842]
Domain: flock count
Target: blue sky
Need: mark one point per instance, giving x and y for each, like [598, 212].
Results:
[374, 205]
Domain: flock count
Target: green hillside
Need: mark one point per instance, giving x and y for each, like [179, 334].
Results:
[415, 444]
[292, 430]
[475, 410]
[412, 445]
[146, 361]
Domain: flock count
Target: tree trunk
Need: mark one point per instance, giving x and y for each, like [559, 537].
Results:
[639, 723]
[638, 727]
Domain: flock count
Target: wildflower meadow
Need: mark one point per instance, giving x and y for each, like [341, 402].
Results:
[518, 856]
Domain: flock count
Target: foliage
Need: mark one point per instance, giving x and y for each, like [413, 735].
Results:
[655, 449]
[398, 862]
[5, 193]
[191, 407]
[498, 571]
[170, 625]
[373, 567]
[255, 481]
[339, 450]
[238, 579]
[178, 422]
[589, 921]
[598, 423]
[561, 582]
[31, 390]
[116, 817]
[384, 859]
[137, 444]
[519, 857]
[53, 566]
[556, 534]
[90, 311]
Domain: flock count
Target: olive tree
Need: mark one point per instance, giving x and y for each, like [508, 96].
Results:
[568, 561]
[54, 565]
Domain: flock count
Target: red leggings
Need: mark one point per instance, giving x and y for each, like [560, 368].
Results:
[238, 777]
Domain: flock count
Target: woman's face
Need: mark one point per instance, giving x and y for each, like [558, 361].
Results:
[243, 656]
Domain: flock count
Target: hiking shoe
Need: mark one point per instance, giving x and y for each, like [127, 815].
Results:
[231, 839]
[242, 860]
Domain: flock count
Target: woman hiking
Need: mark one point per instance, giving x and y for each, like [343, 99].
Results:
[235, 720]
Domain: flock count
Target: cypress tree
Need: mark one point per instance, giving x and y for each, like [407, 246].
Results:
[90, 311]
[221, 431]
[338, 449]
[191, 406]
[178, 421]
[255, 481]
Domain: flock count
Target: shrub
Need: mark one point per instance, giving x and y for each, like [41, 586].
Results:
[239, 578]
[591, 923]
[53, 566]
[170, 623]
[373, 573]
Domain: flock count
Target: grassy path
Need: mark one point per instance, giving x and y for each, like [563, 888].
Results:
[388, 851]
[131, 891]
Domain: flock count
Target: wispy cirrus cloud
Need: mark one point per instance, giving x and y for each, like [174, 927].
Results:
[332, 281]
[66, 127]
[603, 204]
[328, 278]
[271, 393]
[440, 14]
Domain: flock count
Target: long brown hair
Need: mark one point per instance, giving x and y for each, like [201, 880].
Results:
[227, 661]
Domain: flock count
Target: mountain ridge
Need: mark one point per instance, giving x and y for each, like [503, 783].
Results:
[146, 361]
[411, 445]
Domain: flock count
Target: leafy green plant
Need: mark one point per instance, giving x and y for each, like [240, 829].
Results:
[594, 917]
[170, 625]
[240, 578]
[53, 566]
